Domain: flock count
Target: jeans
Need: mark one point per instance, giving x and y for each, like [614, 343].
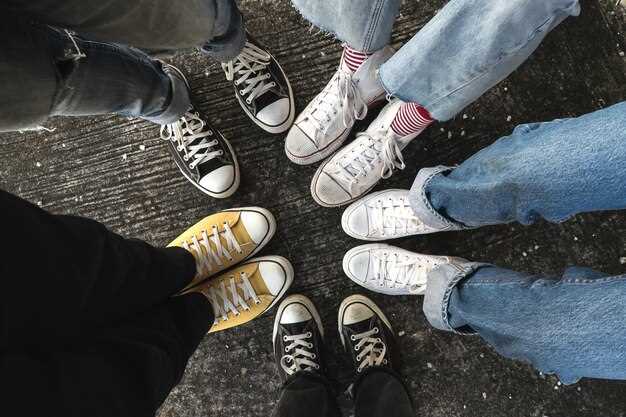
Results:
[377, 393]
[71, 57]
[571, 325]
[478, 43]
[88, 324]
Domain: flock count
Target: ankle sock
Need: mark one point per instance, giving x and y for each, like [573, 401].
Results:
[410, 119]
[353, 58]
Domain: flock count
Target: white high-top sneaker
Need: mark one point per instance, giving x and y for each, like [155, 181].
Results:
[326, 122]
[383, 215]
[354, 170]
[390, 270]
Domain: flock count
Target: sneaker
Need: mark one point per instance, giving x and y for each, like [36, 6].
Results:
[261, 87]
[298, 337]
[224, 239]
[390, 270]
[383, 215]
[202, 154]
[356, 169]
[247, 291]
[366, 334]
[326, 122]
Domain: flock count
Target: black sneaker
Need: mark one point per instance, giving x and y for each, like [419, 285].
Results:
[202, 154]
[366, 334]
[298, 337]
[261, 87]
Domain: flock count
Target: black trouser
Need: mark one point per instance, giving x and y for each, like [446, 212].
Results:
[377, 393]
[88, 326]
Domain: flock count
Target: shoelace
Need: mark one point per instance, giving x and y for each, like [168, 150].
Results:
[372, 349]
[184, 132]
[361, 160]
[250, 67]
[228, 299]
[301, 359]
[391, 216]
[206, 256]
[340, 92]
[391, 271]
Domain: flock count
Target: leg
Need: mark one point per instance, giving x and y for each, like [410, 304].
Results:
[306, 395]
[63, 275]
[572, 326]
[481, 41]
[380, 392]
[126, 370]
[545, 170]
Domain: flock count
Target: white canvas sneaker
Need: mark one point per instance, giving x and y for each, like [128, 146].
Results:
[354, 170]
[390, 270]
[383, 215]
[326, 122]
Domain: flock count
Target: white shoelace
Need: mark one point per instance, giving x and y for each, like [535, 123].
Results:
[391, 217]
[250, 67]
[301, 359]
[228, 299]
[372, 349]
[341, 94]
[206, 257]
[189, 129]
[360, 161]
[396, 271]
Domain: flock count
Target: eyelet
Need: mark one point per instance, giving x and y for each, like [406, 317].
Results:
[352, 338]
[313, 356]
[356, 348]
[284, 338]
[248, 101]
[309, 334]
[375, 330]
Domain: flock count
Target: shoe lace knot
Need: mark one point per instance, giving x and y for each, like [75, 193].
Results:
[232, 296]
[249, 71]
[298, 356]
[190, 135]
[392, 216]
[393, 270]
[372, 350]
[210, 251]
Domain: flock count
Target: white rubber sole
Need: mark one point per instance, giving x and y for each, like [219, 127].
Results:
[301, 299]
[271, 227]
[357, 204]
[357, 298]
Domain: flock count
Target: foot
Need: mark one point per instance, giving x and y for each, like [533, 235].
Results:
[326, 122]
[202, 154]
[366, 334]
[298, 337]
[246, 291]
[390, 270]
[224, 239]
[383, 215]
[356, 169]
[261, 87]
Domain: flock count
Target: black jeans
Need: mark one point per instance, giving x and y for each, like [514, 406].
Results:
[88, 326]
[377, 393]
[70, 57]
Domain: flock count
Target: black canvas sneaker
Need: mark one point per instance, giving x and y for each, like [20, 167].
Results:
[202, 154]
[298, 337]
[261, 87]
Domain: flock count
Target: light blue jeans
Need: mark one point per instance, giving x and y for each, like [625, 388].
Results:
[466, 49]
[574, 325]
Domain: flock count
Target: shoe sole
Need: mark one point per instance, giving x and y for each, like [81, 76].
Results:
[284, 126]
[358, 298]
[355, 205]
[271, 220]
[336, 144]
[301, 299]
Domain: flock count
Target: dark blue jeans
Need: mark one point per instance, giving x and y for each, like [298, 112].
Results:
[71, 58]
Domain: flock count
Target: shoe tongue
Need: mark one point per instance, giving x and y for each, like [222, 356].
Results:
[363, 326]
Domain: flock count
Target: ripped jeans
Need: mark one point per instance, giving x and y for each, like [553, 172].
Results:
[467, 48]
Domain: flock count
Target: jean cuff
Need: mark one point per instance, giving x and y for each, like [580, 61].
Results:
[228, 46]
[441, 283]
[422, 207]
[180, 102]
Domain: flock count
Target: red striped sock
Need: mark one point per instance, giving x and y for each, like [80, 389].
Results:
[353, 58]
[410, 119]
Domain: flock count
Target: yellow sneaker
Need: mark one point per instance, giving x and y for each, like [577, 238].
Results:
[226, 238]
[247, 291]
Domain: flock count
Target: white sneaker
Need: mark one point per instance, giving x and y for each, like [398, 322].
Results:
[390, 270]
[357, 168]
[326, 122]
[383, 215]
